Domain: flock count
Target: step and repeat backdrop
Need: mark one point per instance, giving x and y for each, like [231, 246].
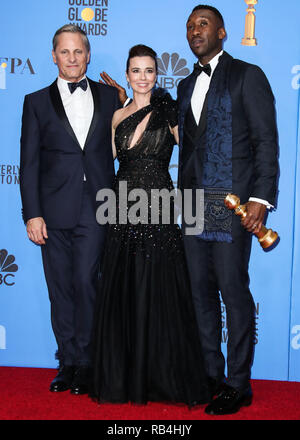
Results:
[113, 26]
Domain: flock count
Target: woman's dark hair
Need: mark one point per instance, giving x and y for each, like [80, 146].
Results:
[140, 50]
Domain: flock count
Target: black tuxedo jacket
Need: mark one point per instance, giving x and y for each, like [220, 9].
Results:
[254, 132]
[53, 164]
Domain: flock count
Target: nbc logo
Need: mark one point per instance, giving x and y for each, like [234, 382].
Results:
[3, 75]
[171, 69]
[2, 337]
[7, 266]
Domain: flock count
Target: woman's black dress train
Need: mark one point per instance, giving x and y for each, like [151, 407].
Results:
[146, 345]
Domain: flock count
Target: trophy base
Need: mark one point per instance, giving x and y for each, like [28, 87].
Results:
[268, 239]
[249, 41]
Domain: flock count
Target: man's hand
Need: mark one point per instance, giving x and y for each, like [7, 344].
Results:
[36, 230]
[255, 216]
[111, 82]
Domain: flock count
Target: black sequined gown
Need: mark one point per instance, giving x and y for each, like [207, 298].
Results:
[146, 345]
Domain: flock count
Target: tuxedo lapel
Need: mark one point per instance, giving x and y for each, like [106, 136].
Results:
[60, 111]
[202, 123]
[189, 88]
[199, 131]
[187, 94]
[184, 102]
[96, 114]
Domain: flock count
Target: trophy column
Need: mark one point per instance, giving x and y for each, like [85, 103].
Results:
[249, 38]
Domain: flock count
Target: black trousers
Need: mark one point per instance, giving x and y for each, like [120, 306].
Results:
[71, 259]
[223, 267]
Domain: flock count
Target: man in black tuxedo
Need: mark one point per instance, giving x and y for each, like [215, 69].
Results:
[228, 144]
[66, 157]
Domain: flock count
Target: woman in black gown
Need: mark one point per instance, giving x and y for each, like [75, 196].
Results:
[146, 345]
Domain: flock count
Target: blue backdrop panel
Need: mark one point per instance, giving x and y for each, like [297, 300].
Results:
[295, 294]
[113, 26]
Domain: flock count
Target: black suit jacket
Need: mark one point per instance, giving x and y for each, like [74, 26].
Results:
[53, 164]
[254, 132]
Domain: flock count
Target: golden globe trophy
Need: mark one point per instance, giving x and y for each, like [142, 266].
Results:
[266, 237]
[249, 38]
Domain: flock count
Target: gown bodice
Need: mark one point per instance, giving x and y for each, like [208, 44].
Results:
[145, 164]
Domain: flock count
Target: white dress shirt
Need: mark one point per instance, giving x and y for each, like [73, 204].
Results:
[198, 97]
[201, 88]
[79, 108]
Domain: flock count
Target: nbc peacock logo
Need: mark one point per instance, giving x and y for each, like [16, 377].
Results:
[171, 70]
[7, 268]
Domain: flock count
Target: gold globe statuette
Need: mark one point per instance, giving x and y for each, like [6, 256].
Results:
[266, 237]
[249, 38]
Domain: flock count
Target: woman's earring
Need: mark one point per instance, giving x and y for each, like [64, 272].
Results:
[128, 85]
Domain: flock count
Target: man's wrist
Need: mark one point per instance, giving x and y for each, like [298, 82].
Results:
[262, 201]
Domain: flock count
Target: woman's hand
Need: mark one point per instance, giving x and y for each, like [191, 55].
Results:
[111, 82]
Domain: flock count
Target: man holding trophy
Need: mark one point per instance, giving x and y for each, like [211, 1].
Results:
[228, 144]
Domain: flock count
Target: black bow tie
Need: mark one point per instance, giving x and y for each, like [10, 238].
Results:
[82, 84]
[198, 69]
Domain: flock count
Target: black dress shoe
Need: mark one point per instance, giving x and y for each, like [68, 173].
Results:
[215, 386]
[63, 380]
[81, 380]
[229, 401]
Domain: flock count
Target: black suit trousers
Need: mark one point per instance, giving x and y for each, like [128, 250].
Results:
[223, 267]
[71, 259]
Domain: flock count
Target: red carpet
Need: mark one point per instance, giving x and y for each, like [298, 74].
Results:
[25, 395]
